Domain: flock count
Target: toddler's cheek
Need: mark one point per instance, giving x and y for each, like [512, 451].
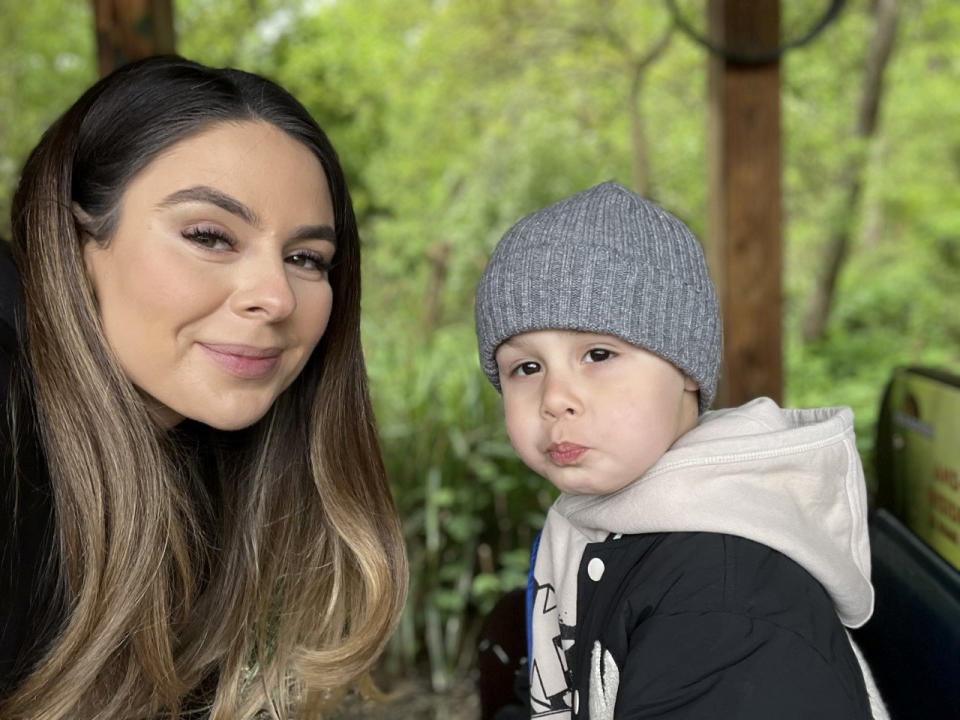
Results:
[517, 429]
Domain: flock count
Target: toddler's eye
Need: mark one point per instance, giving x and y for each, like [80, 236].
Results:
[527, 368]
[598, 355]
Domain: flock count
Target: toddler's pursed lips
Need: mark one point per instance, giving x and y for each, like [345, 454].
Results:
[566, 453]
[563, 446]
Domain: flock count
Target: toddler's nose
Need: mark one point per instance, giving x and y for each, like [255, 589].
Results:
[560, 397]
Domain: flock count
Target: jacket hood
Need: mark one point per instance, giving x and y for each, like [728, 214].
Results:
[789, 479]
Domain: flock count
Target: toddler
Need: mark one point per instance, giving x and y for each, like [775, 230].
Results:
[696, 564]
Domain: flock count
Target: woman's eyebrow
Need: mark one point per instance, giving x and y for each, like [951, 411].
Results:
[316, 232]
[207, 194]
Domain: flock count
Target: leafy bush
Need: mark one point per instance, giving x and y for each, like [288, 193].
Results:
[470, 507]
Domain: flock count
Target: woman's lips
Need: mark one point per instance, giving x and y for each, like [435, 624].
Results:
[566, 453]
[244, 361]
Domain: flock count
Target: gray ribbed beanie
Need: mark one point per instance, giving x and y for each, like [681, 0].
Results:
[604, 261]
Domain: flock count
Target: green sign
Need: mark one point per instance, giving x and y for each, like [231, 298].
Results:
[919, 457]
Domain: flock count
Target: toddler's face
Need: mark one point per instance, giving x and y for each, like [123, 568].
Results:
[591, 412]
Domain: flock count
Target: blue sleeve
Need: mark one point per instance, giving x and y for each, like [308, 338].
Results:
[531, 591]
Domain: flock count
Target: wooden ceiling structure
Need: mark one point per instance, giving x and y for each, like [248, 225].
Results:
[743, 243]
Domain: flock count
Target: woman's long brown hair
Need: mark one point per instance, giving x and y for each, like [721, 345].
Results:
[281, 584]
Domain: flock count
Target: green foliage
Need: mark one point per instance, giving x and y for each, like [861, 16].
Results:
[46, 53]
[898, 292]
[469, 506]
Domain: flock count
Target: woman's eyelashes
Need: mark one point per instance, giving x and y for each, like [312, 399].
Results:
[310, 261]
[211, 238]
[208, 237]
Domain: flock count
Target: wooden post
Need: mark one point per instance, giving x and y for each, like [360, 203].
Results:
[129, 30]
[744, 246]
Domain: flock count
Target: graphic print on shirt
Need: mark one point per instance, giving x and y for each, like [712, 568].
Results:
[550, 678]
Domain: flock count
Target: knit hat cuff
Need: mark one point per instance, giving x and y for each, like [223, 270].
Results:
[573, 287]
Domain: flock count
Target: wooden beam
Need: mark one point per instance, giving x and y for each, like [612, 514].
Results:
[129, 30]
[744, 246]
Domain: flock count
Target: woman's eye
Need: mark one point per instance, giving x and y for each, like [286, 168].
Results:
[208, 238]
[598, 355]
[313, 262]
[527, 368]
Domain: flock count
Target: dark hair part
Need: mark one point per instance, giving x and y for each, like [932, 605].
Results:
[309, 575]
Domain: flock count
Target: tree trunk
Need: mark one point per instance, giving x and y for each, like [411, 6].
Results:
[129, 30]
[438, 257]
[851, 177]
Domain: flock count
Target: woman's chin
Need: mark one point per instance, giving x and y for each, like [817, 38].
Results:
[230, 422]
[225, 417]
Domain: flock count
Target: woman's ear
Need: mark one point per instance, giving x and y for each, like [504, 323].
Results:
[689, 384]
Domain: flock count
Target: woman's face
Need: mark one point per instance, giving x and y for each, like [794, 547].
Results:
[213, 289]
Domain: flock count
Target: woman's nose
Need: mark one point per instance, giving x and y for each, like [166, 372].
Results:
[264, 291]
[560, 396]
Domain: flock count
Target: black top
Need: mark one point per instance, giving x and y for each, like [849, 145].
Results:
[28, 610]
[707, 625]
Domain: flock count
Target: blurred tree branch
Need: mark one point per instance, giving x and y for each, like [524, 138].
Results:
[638, 62]
[851, 177]
[638, 138]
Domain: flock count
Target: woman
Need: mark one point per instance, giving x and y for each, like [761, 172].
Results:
[201, 522]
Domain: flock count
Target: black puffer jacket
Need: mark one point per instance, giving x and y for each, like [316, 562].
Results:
[706, 625]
